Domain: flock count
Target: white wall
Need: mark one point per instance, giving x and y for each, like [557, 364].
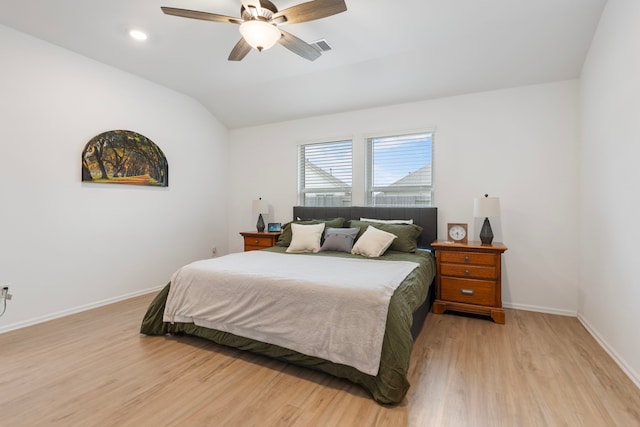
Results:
[65, 245]
[518, 144]
[610, 200]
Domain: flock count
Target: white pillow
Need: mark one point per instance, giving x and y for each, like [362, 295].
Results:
[305, 238]
[373, 242]
[388, 221]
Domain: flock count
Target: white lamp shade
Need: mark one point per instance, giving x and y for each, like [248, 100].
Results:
[259, 34]
[260, 206]
[485, 207]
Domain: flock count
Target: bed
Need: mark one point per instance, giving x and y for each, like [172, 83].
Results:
[408, 303]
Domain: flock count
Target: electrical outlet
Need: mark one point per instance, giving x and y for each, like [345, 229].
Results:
[4, 293]
[214, 251]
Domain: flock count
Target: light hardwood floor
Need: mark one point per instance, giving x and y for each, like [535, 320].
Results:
[94, 369]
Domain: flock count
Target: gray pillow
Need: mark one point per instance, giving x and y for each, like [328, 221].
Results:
[339, 239]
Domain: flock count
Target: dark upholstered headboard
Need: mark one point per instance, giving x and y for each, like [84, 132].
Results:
[427, 218]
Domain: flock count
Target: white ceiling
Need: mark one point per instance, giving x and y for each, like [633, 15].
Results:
[384, 52]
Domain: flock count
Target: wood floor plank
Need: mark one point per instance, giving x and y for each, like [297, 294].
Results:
[95, 369]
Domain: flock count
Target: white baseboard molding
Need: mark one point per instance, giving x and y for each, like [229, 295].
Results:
[614, 355]
[63, 313]
[537, 309]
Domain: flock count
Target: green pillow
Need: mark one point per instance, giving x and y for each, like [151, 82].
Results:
[408, 234]
[285, 236]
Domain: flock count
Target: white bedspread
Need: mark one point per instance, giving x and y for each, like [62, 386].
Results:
[328, 307]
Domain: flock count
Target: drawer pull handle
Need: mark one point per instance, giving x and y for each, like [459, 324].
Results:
[467, 291]
[467, 272]
[466, 258]
[257, 241]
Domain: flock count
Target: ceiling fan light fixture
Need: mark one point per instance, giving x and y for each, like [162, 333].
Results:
[260, 34]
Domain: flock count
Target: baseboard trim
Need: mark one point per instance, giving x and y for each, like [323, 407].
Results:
[63, 313]
[537, 309]
[614, 355]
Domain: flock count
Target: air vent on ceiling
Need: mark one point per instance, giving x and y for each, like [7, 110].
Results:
[321, 45]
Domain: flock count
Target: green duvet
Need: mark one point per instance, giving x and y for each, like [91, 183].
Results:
[389, 386]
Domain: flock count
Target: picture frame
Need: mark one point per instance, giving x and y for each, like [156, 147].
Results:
[274, 227]
[124, 157]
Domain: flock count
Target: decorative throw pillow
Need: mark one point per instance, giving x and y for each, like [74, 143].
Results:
[305, 238]
[373, 242]
[339, 239]
[285, 236]
[407, 234]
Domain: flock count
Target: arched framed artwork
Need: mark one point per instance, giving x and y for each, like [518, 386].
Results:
[124, 157]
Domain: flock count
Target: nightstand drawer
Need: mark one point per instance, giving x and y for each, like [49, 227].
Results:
[468, 271]
[261, 242]
[479, 292]
[254, 241]
[468, 258]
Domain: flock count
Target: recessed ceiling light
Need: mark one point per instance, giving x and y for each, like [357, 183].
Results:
[138, 35]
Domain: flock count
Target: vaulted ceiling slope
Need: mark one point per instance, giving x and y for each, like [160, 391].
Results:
[384, 52]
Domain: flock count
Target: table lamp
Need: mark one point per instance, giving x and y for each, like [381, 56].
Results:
[260, 207]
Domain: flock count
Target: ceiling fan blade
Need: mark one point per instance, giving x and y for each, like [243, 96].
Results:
[309, 11]
[299, 46]
[204, 16]
[240, 50]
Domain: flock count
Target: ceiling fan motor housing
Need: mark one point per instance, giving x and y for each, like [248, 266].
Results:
[267, 10]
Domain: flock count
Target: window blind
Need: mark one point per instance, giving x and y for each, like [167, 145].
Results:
[399, 170]
[325, 174]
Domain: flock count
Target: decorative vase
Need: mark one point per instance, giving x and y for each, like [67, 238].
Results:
[486, 234]
[260, 224]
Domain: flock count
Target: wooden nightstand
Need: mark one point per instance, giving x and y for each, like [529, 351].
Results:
[254, 240]
[469, 279]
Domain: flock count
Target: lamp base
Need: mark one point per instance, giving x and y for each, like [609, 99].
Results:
[260, 224]
[486, 234]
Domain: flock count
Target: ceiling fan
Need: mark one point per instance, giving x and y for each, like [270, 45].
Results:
[260, 23]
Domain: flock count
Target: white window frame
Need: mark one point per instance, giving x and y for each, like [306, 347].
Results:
[334, 195]
[425, 188]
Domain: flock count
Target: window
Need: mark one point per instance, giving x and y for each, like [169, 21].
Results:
[399, 170]
[325, 174]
